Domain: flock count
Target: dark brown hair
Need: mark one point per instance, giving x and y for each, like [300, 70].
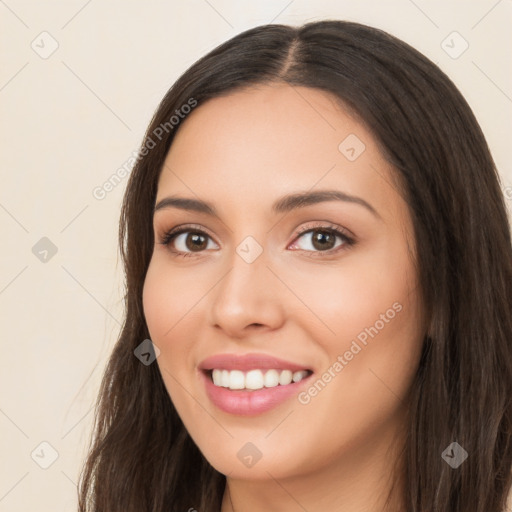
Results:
[141, 456]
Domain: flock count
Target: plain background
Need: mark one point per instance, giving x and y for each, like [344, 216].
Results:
[71, 119]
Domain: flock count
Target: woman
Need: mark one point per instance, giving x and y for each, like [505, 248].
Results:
[316, 244]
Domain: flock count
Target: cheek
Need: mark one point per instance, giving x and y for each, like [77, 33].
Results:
[167, 300]
[168, 296]
[366, 315]
[174, 301]
[344, 299]
[371, 361]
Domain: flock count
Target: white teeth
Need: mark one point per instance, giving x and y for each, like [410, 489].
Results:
[298, 376]
[271, 379]
[255, 379]
[285, 377]
[236, 379]
[224, 379]
[217, 376]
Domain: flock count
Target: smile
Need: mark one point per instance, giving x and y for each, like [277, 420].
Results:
[251, 384]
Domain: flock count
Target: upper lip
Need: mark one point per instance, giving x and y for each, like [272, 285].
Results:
[246, 362]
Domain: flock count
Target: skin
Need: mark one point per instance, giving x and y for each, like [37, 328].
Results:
[242, 152]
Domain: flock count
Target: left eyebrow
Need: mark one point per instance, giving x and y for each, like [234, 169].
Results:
[303, 199]
[282, 205]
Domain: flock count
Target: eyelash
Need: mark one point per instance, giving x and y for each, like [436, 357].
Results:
[338, 231]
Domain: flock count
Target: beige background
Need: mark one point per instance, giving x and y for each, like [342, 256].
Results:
[72, 118]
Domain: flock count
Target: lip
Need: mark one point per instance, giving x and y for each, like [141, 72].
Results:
[249, 403]
[246, 362]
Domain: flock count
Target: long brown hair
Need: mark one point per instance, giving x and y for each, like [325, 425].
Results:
[141, 457]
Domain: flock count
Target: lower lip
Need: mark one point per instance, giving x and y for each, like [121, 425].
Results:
[250, 403]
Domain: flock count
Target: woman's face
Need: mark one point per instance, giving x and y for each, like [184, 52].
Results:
[263, 286]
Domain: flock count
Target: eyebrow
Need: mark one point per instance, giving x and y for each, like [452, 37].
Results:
[282, 205]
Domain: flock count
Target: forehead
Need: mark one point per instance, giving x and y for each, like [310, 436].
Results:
[263, 142]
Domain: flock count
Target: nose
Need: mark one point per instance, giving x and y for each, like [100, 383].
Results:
[248, 297]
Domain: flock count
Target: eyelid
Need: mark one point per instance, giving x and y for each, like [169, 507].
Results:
[184, 228]
[325, 225]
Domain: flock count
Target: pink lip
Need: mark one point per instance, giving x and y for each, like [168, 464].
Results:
[246, 362]
[248, 403]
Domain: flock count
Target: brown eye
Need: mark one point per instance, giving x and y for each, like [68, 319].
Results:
[187, 241]
[322, 239]
[195, 241]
